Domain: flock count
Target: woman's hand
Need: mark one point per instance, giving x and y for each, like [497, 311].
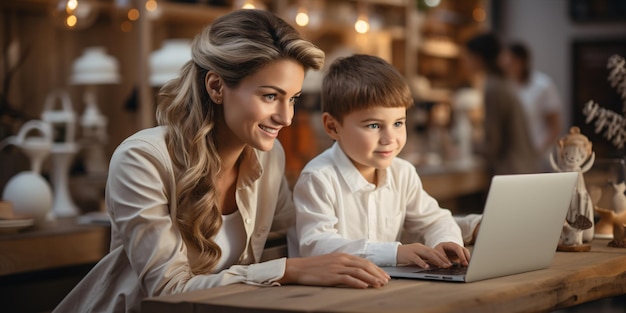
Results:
[334, 269]
[454, 252]
[422, 256]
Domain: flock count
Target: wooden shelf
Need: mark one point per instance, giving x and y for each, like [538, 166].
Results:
[398, 3]
[443, 31]
[64, 244]
[196, 13]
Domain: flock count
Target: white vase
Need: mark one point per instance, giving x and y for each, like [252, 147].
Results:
[30, 194]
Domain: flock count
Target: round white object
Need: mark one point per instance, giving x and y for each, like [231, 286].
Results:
[30, 195]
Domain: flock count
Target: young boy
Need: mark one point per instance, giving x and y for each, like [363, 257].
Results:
[357, 197]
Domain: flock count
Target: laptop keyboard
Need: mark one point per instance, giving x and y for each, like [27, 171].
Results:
[453, 270]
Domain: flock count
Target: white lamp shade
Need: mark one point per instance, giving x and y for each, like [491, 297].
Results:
[95, 67]
[165, 63]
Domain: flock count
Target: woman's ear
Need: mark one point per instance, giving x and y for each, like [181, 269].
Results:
[330, 125]
[214, 86]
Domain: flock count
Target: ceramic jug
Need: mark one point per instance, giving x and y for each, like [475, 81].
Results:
[29, 193]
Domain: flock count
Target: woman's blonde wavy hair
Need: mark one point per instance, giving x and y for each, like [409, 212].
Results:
[234, 46]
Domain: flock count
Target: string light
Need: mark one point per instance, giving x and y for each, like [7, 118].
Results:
[133, 14]
[362, 24]
[74, 14]
[479, 14]
[249, 4]
[71, 5]
[302, 17]
[70, 21]
[151, 5]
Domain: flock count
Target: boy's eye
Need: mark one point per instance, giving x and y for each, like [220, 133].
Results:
[373, 126]
[398, 124]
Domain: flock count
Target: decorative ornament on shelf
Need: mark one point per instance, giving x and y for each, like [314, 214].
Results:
[91, 69]
[618, 221]
[611, 123]
[605, 183]
[464, 101]
[28, 192]
[64, 148]
[615, 218]
[613, 126]
[575, 155]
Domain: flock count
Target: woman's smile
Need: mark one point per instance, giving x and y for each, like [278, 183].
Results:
[273, 132]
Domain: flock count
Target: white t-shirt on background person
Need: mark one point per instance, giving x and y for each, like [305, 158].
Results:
[539, 98]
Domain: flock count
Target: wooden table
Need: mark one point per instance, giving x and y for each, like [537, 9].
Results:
[63, 244]
[573, 278]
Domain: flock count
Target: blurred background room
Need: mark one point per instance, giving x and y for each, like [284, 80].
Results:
[88, 71]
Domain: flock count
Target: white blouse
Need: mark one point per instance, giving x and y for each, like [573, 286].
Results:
[148, 256]
[231, 238]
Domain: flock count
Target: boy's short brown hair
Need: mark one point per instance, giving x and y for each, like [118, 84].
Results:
[363, 81]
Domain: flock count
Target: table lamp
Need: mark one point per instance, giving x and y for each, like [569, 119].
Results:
[166, 62]
[91, 69]
[62, 122]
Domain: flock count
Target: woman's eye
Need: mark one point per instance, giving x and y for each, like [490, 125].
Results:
[398, 124]
[270, 97]
[372, 126]
[294, 100]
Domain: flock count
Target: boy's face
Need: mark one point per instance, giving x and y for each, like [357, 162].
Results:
[371, 138]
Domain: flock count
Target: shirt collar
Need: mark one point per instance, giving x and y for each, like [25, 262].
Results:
[250, 169]
[351, 174]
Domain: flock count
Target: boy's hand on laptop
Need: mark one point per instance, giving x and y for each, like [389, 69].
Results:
[454, 252]
[422, 256]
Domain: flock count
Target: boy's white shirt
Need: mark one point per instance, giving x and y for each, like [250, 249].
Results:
[337, 210]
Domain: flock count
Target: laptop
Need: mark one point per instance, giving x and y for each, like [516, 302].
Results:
[519, 232]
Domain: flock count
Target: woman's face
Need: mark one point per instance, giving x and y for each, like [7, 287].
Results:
[262, 104]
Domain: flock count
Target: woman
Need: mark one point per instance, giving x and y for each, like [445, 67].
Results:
[507, 145]
[192, 200]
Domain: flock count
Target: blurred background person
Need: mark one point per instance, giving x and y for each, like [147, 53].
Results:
[539, 97]
[507, 147]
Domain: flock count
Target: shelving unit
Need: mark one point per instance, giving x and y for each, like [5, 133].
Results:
[403, 37]
[396, 40]
[183, 20]
[444, 29]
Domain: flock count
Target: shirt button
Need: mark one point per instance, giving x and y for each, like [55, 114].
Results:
[259, 234]
[248, 221]
[263, 229]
